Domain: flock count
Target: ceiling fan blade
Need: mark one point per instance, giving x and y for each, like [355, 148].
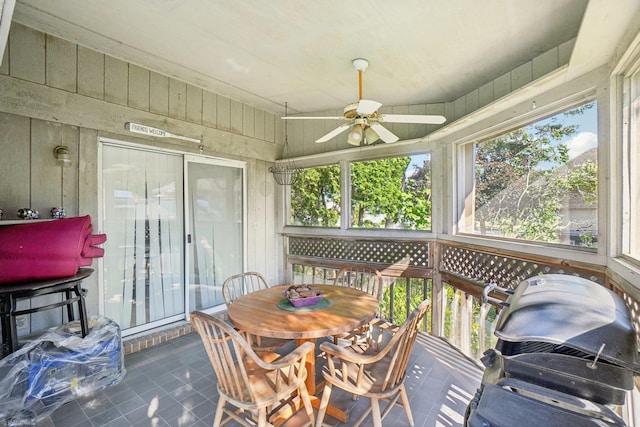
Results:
[366, 107]
[411, 118]
[312, 118]
[385, 134]
[335, 132]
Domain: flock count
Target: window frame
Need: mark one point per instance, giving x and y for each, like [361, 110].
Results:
[350, 226]
[344, 227]
[288, 198]
[629, 126]
[465, 173]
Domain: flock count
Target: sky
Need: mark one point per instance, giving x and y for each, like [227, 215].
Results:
[587, 136]
[585, 139]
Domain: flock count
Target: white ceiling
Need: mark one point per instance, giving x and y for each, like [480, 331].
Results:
[266, 53]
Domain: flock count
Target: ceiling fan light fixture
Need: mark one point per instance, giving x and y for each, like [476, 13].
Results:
[370, 136]
[355, 134]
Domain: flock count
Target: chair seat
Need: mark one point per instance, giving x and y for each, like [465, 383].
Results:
[263, 386]
[268, 345]
[376, 371]
[372, 382]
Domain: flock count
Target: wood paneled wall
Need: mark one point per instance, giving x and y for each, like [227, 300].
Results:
[55, 92]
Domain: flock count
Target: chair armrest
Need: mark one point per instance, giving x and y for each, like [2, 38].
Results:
[381, 324]
[348, 355]
[286, 360]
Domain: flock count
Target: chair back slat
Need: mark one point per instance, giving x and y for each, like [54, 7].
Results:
[221, 342]
[363, 278]
[404, 339]
[249, 387]
[241, 284]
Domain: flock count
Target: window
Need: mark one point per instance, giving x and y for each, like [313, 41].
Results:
[538, 182]
[631, 162]
[392, 193]
[315, 197]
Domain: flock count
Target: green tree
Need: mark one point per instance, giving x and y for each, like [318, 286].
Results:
[397, 293]
[376, 189]
[416, 198]
[385, 193]
[315, 197]
[520, 184]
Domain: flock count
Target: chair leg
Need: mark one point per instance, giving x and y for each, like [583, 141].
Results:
[306, 400]
[324, 402]
[262, 417]
[405, 403]
[375, 412]
[219, 411]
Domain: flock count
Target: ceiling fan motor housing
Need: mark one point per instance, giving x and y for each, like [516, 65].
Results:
[350, 111]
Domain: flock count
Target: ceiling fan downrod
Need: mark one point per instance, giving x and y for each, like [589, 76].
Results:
[360, 65]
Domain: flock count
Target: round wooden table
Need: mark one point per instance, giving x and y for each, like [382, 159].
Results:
[258, 313]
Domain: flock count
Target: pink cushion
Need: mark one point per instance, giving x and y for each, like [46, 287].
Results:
[47, 249]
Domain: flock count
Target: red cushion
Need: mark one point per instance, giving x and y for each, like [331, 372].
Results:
[46, 249]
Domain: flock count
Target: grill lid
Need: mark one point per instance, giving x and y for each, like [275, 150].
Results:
[573, 311]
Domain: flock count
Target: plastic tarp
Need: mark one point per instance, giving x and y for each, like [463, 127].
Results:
[58, 367]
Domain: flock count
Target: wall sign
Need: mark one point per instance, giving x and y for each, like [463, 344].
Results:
[151, 131]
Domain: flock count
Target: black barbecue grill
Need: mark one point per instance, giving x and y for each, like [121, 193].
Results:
[567, 351]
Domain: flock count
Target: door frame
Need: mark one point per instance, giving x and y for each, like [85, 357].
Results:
[216, 161]
[186, 157]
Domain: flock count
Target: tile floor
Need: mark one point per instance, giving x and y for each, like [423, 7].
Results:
[173, 384]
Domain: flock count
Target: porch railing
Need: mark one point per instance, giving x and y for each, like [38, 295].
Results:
[452, 275]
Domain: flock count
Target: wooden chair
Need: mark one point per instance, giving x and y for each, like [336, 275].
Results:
[377, 374]
[245, 283]
[245, 381]
[366, 279]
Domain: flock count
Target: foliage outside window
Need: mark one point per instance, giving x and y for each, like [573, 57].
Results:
[539, 182]
[315, 197]
[392, 193]
[631, 171]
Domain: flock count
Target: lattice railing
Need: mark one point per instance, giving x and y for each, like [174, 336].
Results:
[402, 254]
[485, 266]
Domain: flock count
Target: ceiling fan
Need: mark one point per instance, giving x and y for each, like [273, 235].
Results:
[364, 120]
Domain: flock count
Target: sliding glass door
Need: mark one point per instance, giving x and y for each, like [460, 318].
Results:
[175, 231]
[215, 228]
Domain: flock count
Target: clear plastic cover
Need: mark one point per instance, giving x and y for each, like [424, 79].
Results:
[58, 367]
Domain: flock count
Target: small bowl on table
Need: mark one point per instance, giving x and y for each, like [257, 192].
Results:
[303, 295]
[305, 301]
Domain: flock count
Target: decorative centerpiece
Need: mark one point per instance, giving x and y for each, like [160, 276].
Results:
[303, 295]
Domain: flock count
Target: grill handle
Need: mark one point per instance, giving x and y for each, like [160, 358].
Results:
[493, 287]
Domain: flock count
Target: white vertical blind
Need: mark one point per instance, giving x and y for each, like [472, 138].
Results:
[144, 223]
[215, 198]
